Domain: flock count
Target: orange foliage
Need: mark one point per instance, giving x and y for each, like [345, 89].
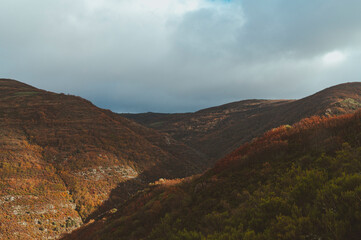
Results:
[278, 138]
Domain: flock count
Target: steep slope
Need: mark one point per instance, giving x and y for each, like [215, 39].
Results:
[66, 154]
[217, 131]
[295, 182]
[34, 201]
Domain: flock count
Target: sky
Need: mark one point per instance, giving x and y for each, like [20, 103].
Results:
[180, 55]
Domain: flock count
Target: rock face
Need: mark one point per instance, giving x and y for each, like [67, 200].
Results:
[219, 130]
[61, 156]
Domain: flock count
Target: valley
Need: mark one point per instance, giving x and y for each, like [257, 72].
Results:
[66, 163]
[217, 131]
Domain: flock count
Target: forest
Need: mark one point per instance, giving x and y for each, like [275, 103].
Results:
[295, 182]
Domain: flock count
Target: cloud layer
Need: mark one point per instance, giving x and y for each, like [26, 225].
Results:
[180, 55]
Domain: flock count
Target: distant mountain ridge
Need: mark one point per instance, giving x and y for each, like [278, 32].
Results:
[219, 130]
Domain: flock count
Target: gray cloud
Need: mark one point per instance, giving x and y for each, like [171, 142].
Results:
[173, 55]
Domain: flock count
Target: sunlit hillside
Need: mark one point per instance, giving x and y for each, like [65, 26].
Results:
[61, 157]
[295, 182]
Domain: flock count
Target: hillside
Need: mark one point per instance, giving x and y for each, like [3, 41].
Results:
[61, 157]
[219, 130]
[294, 182]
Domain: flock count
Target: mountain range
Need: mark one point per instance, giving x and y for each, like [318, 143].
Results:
[65, 162]
[219, 130]
[294, 182]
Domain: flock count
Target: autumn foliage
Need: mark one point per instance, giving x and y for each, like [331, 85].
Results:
[57, 144]
[294, 182]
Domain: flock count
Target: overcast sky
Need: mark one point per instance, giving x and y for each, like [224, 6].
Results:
[180, 55]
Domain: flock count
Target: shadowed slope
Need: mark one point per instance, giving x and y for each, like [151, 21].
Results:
[294, 182]
[218, 130]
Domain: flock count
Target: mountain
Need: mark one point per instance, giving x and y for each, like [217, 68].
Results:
[64, 162]
[61, 158]
[219, 130]
[294, 182]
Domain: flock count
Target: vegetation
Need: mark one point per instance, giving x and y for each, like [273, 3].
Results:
[219, 130]
[295, 182]
[61, 156]
[34, 201]
[62, 160]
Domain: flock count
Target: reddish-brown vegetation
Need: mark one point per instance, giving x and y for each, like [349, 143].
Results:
[219, 130]
[55, 144]
[294, 182]
[62, 160]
